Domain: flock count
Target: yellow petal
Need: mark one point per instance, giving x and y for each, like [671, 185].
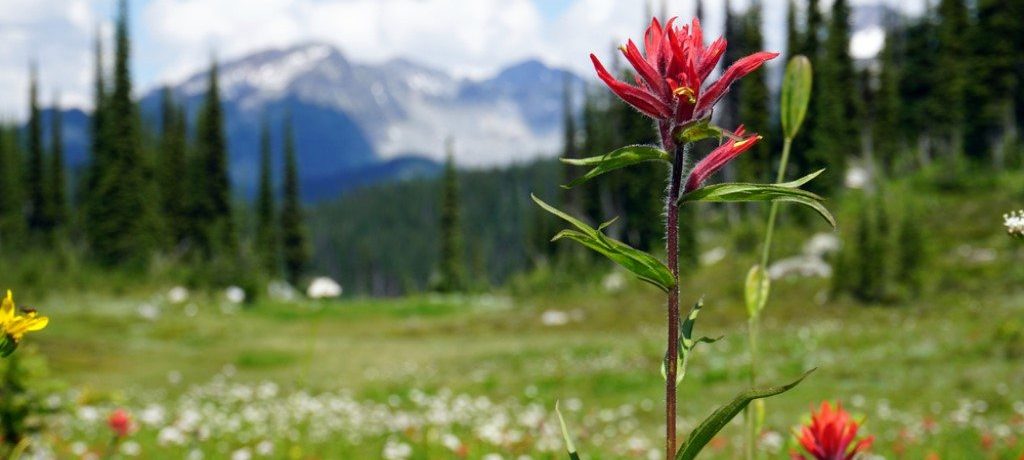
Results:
[7, 309]
[35, 324]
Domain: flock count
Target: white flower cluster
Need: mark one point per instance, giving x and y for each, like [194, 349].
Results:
[1014, 222]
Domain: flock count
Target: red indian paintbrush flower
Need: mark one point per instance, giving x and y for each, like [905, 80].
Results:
[120, 423]
[671, 72]
[830, 435]
[719, 158]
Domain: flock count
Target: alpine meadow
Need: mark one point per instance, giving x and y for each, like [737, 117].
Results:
[512, 229]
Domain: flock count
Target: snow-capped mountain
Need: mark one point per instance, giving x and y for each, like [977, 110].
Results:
[359, 122]
[350, 115]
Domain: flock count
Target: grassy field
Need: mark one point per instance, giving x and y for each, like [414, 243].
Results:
[478, 376]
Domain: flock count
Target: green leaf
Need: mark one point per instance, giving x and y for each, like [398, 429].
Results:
[642, 264]
[569, 446]
[744, 192]
[686, 343]
[618, 159]
[697, 131]
[707, 429]
[796, 94]
[756, 290]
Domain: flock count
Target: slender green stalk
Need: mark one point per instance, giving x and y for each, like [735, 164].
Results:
[754, 322]
[672, 254]
[774, 210]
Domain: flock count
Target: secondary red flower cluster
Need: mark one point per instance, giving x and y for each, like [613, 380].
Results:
[670, 76]
[671, 72]
[830, 435]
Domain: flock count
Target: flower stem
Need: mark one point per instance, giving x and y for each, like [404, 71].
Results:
[754, 321]
[672, 254]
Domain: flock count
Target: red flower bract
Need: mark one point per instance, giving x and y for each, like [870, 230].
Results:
[830, 435]
[719, 158]
[671, 72]
[120, 423]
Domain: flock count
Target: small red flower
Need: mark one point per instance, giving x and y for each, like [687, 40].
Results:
[830, 434]
[718, 158]
[671, 72]
[120, 423]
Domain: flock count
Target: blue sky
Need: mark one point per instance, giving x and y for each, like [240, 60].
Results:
[176, 38]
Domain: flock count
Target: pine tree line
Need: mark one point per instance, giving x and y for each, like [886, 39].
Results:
[143, 194]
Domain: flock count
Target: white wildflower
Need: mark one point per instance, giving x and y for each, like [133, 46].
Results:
[554, 318]
[234, 294]
[177, 295]
[323, 288]
[395, 450]
[1014, 223]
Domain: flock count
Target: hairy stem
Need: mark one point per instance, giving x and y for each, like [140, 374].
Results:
[754, 321]
[672, 253]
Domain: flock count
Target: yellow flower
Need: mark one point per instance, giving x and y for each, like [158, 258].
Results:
[15, 325]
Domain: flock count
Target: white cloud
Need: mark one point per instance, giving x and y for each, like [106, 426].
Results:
[174, 38]
[57, 35]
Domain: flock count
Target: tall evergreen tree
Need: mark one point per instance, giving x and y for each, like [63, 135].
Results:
[57, 202]
[885, 127]
[92, 208]
[835, 136]
[452, 255]
[809, 45]
[991, 124]
[12, 217]
[121, 225]
[570, 197]
[35, 178]
[753, 99]
[952, 59]
[792, 31]
[218, 234]
[172, 165]
[295, 251]
[266, 217]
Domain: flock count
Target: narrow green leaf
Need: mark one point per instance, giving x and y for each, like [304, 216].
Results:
[698, 131]
[618, 159]
[796, 94]
[744, 192]
[642, 264]
[707, 429]
[569, 446]
[756, 290]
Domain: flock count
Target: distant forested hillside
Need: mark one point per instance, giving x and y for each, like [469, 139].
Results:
[383, 240]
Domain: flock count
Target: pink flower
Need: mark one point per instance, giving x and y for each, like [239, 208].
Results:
[671, 72]
[120, 423]
[830, 434]
[718, 158]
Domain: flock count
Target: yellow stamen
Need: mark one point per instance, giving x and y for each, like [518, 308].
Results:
[745, 141]
[688, 92]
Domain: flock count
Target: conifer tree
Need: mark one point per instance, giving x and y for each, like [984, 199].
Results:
[952, 59]
[57, 202]
[792, 31]
[835, 137]
[295, 251]
[35, 178]
[452, 255]
[570, 197]
[218, 231]
[266, 218]
[91, 207]
[121, 226]
[172, 170]
[753, 99]
[885, 129]
[809, 45]
[912, 251]
[12, 218]
[991, 125]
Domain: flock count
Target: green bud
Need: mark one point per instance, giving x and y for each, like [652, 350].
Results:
[796, 94]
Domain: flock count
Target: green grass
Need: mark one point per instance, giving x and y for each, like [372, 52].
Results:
[941, 374]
